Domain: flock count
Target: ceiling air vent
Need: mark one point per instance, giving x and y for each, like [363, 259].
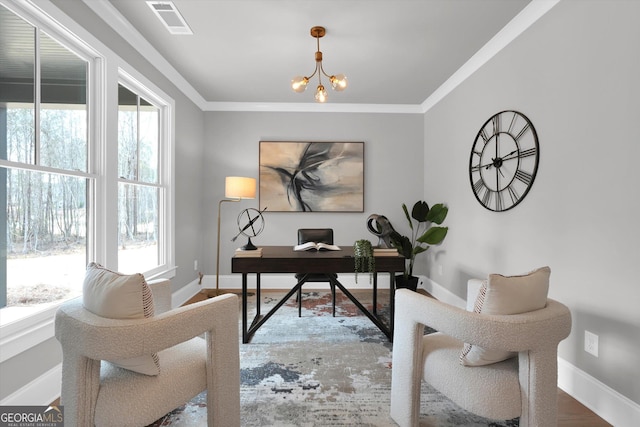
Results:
[169, 15]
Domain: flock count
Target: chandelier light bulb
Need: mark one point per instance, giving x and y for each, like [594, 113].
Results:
[299, 83]
[321, 94]
[339, 82]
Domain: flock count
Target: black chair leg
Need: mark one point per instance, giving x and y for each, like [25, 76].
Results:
[300, 301]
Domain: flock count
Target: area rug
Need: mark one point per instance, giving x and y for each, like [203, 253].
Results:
[320, 370]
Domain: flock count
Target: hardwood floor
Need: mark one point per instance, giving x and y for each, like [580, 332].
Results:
[571, 413]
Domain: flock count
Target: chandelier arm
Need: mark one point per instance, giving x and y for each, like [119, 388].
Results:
[314, 72]
[323, 71]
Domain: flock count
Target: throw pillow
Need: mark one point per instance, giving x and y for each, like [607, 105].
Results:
[506, 295]
[119, 296]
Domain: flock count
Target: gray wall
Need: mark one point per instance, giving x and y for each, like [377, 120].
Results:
[574, 73]
[393, 153]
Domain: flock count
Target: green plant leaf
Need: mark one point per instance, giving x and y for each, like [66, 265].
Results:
[402, 244]
[420, 211]
[438, 213]
[434, 235]
[364, 261]
[406, 213]
[419, 249]
[410, 247]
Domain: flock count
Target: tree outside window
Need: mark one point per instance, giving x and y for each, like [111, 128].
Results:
[59, 189]
[139, 191]
[44, 179]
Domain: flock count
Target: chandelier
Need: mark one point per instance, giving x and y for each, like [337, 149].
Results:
[338, 82]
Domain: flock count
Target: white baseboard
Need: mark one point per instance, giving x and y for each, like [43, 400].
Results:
[608, 404]
[441, 293]
[41, 391]
[185, 293]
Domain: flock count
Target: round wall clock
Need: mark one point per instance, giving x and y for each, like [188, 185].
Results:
[504, 161]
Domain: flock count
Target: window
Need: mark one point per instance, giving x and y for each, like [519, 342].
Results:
[139, 189]
[44, 178]
[62, 182]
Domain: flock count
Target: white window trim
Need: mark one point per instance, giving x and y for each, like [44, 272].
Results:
[29, 331]
[19, 336]
[166, 106]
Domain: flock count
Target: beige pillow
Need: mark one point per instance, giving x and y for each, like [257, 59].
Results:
[506, 295]
[119, 296]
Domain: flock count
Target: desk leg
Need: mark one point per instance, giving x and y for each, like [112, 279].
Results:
[245, 337]
[258, 299]
[376, 321]
[258, 321]
[375, 293]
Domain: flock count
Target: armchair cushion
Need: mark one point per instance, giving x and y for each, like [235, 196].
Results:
[506, 295]
[118, 296]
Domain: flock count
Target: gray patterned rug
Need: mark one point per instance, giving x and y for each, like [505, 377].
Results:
[318, 370]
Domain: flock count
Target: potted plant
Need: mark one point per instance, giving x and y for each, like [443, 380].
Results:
[423, 234]
[363, 258]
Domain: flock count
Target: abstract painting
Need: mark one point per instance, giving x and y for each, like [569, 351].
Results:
[312, 176]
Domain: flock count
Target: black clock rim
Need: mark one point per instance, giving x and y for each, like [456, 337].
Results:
[535, 168]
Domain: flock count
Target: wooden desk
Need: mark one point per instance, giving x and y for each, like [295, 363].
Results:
[283, 259]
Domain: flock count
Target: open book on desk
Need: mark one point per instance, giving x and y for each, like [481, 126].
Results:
[313, 246]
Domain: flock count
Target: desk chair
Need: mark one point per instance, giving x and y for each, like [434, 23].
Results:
[324, 235]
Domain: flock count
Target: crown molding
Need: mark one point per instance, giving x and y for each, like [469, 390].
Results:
[518, 25]
[120, 24]
[302, 107]
[529, 15]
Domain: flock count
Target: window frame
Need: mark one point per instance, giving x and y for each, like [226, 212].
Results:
[105, 70]
[166, 175]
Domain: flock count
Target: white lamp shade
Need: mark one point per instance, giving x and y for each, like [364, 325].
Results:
[240, 187]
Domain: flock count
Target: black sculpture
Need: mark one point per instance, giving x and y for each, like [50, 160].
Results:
[380, 226]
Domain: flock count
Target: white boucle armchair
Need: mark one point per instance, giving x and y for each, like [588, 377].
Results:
[101, 394]
[524, 386]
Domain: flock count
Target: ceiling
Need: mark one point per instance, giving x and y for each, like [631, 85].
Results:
[247, 51]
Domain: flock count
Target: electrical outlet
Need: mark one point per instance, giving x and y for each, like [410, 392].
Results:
[440, 269]
[195, 265]
[591, 343]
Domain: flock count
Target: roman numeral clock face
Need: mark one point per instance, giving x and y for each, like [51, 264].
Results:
[504, 161]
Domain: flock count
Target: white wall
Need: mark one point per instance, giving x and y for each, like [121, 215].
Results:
[575, 74]
[393, 150]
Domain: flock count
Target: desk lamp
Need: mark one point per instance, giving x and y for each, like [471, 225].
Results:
[236, 188]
